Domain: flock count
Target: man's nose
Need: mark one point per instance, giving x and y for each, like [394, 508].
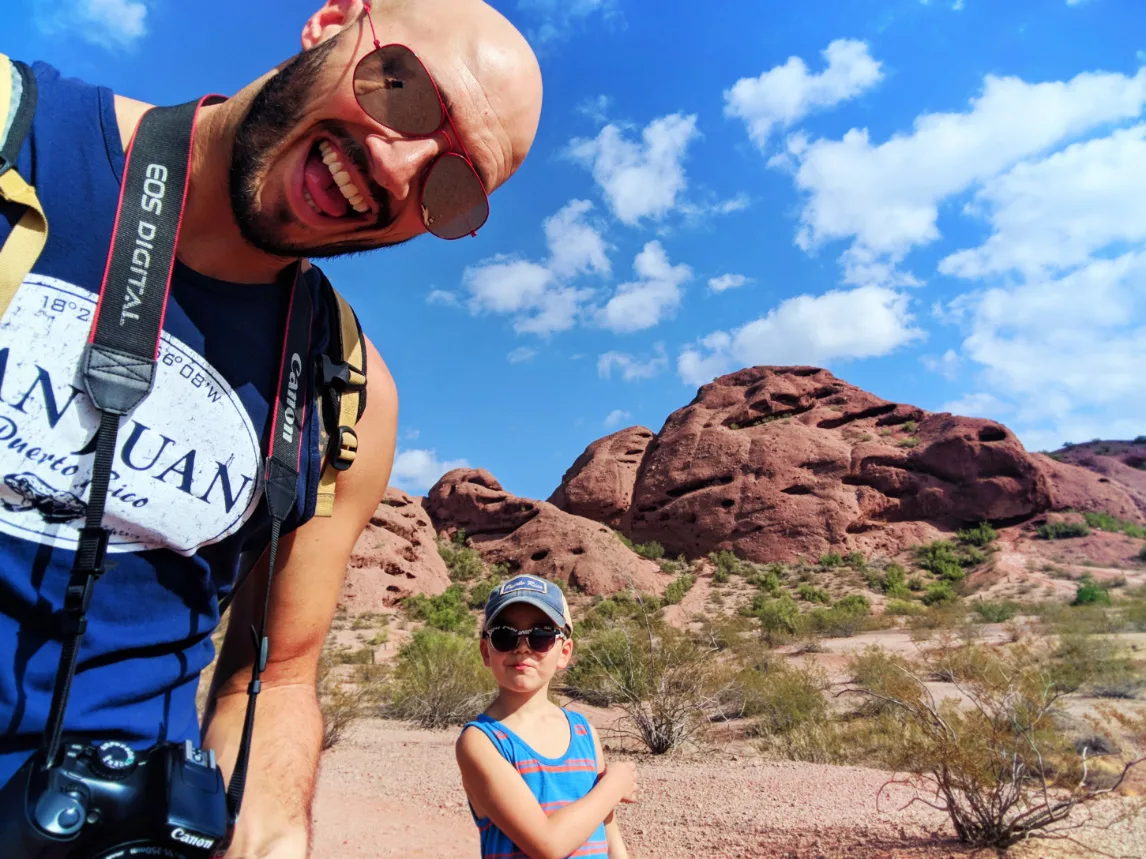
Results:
[396, 163]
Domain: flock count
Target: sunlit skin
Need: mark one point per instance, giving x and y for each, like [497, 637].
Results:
[485, 71]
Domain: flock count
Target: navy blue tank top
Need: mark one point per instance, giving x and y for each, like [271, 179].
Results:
[185, 508]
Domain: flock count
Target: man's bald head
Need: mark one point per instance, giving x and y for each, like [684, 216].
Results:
[485, 69]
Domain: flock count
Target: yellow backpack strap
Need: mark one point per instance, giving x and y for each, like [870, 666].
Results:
[347, 382]
[28, 237]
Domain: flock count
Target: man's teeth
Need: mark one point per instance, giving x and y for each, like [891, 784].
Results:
[354, 197]
[310, 201]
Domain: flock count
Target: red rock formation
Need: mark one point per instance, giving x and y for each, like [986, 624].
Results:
[772, 462]
[1117, 469]
[395, 556]
[599, 485]
[537, 538]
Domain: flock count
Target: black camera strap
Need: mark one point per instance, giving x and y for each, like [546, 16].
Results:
[119, 371]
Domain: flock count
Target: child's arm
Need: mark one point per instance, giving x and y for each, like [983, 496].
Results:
[496, 790]
[617, 849]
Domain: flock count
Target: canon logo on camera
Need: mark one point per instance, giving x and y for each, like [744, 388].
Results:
[184, 837]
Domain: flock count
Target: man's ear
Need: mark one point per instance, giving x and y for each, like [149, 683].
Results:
[484, 647]
[329, 21]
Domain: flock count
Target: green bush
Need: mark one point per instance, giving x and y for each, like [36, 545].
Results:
[981, 535]
[831, 559]
[678, 587]
[837, 622]
[903, 607]
[939, 593]
[726, 564]
[909, 441]
[1089, 592]
[854, 603]
[652, 550]
[768, 582]
[783, 698]
[362, 656]
[462, 562]
[856, 561]
[480, 591]
[447, 611]
[945, 560]
[1062, 530]
[995, 612]
[811, 593]
[915, 583]
[779, 618]
[439, 680]
[900, 592]
[1106, 522]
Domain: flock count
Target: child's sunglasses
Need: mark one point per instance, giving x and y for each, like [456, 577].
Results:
[395, 90]
[540, 639]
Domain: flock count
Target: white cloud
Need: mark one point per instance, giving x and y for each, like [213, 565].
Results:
[522, 353]
[639, 179]
[441, 296]
[783, 95]
[655, 295]
[615, 417]
[1053, 214]
[947, 365]
[539, 295]
[977, 405]
[727, 281]
[558, 18]
[596, 109]
[632, 368]
[838, 326]
[417, 470]
[885, 197]
[114, 24]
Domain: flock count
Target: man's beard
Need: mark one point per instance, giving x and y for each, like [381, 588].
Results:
[274, 114]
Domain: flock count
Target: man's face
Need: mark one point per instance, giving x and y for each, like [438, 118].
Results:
[313, 175]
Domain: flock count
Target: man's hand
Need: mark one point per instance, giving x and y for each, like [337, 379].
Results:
[274, 820]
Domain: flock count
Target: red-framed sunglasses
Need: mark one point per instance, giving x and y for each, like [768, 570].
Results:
[394, 89]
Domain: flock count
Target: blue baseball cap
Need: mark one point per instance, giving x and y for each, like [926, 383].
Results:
[534, 591]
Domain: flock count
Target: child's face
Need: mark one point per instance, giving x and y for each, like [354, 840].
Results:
[524, 670]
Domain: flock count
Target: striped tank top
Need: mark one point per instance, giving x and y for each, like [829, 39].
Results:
[555, 782]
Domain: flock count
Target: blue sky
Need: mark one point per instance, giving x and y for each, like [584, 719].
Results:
[943, 202]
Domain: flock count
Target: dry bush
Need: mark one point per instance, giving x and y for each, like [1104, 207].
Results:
[439, 680]
[999, 768]
[341, 707]
[665, 681]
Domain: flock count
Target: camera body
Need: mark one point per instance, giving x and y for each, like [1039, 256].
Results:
[106, 801]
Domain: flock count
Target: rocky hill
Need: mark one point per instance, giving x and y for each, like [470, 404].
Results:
[771, 463]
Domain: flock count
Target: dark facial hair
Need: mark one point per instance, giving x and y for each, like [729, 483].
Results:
[274, 114]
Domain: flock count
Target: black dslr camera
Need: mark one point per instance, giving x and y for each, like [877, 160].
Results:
[107, 801]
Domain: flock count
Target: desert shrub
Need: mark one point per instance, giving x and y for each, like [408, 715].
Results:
[462, 562]
[846, 618]
[908, 427]
[854, 603]
[447, 611]
[674, 566]
[678, 587]
[480, 591]
[903, 607]
[340, 707]
[1106, 522]
[946, 560]
[726, 632]
[939, 593]
[652, 550]
[995, 612]
[892, 578]
[726, 564]
[811, 593]
[831, 559]
[1089, 662]
[1062, 530]
[883, 673]
[361, 656]
[783, 698]
[779, 618]
[1089, 592]
[380, 638]
[981, 535]
[1134, 615]
[439, 680]
[900, 592]
[768, 582]
[915, 583]
[1000, 769]
[856, 561]
[665, 682]
[605, 611]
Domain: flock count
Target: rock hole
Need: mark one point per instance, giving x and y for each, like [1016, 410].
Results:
[539, 556]
[579, 550]
[394, 589]
[797, 490]
[992, 433]
[826, 391]
[786, 399]
[637, 452]
[691, 519]
[727, 502]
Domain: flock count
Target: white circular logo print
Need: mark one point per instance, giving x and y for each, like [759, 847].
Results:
[186, 470]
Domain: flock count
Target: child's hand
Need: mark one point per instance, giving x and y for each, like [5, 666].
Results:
[623, 776]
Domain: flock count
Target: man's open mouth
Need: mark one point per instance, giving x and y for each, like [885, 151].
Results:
[331, 185]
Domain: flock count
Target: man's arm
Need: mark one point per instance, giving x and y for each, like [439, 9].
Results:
[274, 821]
[617, 849]
[497, 791]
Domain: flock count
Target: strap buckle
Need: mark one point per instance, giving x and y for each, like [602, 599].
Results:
[344, 449]
[340, 375]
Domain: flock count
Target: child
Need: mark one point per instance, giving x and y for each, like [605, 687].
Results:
[534, 772]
